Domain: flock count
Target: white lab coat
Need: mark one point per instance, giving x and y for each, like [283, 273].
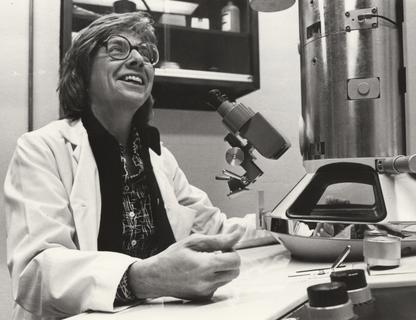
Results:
[53, 207]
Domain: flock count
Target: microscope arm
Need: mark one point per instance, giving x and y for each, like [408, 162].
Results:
[243, 158]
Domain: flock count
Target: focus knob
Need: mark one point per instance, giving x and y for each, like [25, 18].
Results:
[234, 156]
[356, 283]
[353, 279]
[329, 301]
[327, 294]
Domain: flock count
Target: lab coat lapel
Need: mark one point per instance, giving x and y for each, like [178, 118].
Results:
[85, 195]
[180, 217]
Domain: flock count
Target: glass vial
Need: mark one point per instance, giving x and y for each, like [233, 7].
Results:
[230, 18]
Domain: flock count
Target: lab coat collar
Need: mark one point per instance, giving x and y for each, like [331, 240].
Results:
[76, 130]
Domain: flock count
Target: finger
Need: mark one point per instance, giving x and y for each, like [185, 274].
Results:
[222, 242]
[226, 261]
[236, 228]
[222, 277]
[226, 278]
[215, 284]
[218, 279]
[202, 298]
[229, 240]
[220, 284]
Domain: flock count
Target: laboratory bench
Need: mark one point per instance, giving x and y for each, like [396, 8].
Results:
[268, 287]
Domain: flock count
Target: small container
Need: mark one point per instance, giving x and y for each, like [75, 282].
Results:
[200, 23]
[381, 250]
[230, 18]
[173, 19]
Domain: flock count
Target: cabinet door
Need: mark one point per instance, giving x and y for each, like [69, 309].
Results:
[198, 52]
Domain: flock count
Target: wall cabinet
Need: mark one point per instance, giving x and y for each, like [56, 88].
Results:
[196, 55]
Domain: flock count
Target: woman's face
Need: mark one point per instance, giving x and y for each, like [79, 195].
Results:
[120, 85]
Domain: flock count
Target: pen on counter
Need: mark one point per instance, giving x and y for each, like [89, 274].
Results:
[336, 264]
[342, 265]
[344, 254]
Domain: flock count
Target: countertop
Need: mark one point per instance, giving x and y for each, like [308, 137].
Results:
[265, 289]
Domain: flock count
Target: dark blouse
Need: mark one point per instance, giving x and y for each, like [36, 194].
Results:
[133, 218]
[137, 222]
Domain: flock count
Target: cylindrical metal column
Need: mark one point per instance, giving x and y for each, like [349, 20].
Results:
[351, 64]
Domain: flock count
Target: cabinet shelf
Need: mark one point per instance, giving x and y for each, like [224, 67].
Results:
[202, 59]
[203, 75]
[198, 31]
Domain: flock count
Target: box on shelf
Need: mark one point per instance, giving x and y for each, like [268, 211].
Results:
[200, 23]
[173, 19]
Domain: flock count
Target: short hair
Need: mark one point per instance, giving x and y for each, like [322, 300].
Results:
[75, 70]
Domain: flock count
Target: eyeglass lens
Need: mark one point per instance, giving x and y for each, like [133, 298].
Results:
[119, 48]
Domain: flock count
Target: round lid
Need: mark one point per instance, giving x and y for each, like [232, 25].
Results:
[327, 294]
[375, 233]
[271, 5]
[123, 6]
[353, 279]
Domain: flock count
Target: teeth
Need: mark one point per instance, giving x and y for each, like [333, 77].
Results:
[133, 78]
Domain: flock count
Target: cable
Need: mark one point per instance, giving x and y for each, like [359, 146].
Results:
[368, 16]
[147, 6]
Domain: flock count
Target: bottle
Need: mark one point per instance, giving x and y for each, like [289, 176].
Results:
[230, 18]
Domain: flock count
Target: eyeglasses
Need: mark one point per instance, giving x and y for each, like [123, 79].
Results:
[119, 48]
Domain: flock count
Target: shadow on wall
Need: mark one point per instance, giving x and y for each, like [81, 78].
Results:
[189, 122]
[5, 282]
[5, 294]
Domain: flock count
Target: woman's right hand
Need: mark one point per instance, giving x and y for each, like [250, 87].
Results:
[193, 268]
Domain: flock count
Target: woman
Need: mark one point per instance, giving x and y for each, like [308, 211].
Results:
[98, 212]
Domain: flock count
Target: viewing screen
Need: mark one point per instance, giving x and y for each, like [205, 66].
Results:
[341, 192]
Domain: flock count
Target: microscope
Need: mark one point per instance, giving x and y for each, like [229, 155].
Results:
[358, 129]
[249, 131]
[356, 137]
[358, 125]
[358, 142]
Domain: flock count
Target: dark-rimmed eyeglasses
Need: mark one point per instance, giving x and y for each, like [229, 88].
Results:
[119, 48]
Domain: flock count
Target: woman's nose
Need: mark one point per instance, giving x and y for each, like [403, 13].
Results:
[135, 58]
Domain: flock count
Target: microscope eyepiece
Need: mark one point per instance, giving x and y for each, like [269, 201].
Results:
[216, 98]
[252, 126]
[248, 131]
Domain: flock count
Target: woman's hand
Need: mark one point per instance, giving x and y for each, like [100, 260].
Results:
[193, 268]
